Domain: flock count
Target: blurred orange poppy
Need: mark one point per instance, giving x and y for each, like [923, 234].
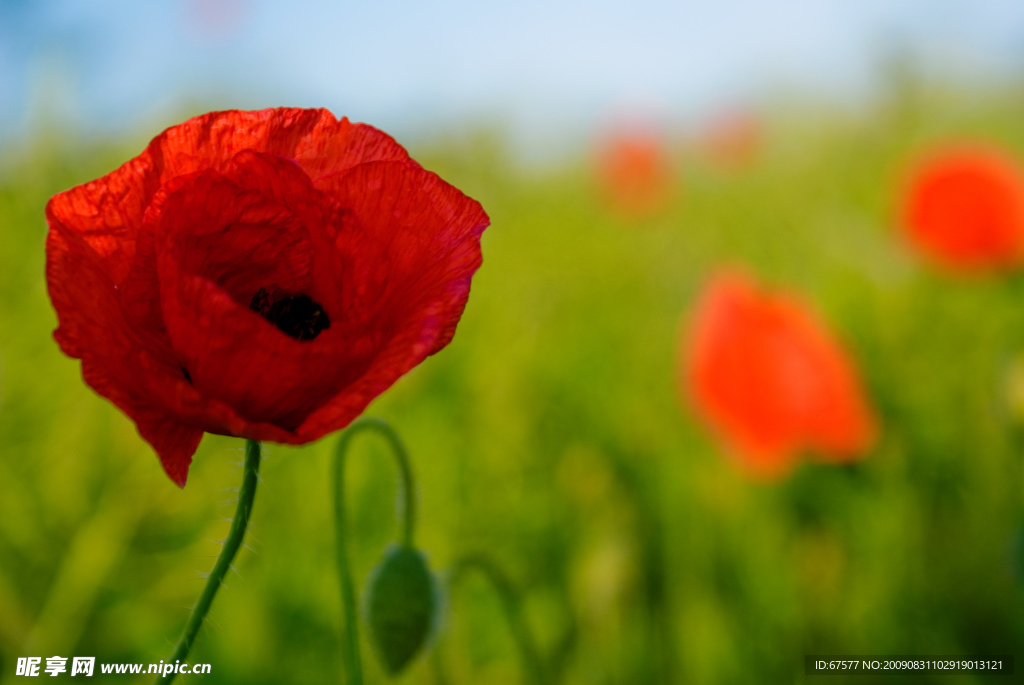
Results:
[963, 207]
[635, 172]
[732, 141]
[767, 376]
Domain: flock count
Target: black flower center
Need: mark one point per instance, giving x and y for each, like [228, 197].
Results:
[299, 316]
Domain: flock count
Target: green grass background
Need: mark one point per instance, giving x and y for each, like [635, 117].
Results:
[551, 435]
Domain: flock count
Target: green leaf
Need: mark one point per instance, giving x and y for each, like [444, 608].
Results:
[400, 605]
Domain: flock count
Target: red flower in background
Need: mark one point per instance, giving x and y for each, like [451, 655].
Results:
[258, 274]
[964, 208]
[635, 172]
[771, 380]
[733, 140]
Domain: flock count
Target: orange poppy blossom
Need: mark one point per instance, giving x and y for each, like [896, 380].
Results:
[770, 380]
[963, 207]
[635, 172]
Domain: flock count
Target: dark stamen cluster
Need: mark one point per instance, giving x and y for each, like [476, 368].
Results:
[299, 316]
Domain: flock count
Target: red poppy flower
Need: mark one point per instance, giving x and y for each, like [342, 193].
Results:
[258, 274]
[964, 208]
[768, 377]
[635, 172]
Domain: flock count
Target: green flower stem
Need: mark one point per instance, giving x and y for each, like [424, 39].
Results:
[350, 646]
[642, 490]
[227, 555]
[510, 602]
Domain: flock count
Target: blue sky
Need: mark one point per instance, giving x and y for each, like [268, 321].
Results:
[105, 65]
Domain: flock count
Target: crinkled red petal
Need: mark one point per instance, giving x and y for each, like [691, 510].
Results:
[93, 329]
[210, 267]
[108, 212]
[410, 250]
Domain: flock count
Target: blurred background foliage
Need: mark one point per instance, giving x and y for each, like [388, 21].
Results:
[553, 437]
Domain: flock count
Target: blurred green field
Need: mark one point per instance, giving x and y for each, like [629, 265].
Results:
[551, 436]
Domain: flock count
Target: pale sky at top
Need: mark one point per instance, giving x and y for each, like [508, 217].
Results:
[106, 64]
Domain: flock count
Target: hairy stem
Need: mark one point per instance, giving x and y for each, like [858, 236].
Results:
[350, 645]
[227, 555]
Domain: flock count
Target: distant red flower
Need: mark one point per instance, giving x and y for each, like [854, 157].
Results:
[964, 208]
[635, 172]
[258, 274]
[732, 141]
[771, 380]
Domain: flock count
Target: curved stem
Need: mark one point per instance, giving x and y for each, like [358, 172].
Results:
[227, 554]
[513, 611]
[350, 646]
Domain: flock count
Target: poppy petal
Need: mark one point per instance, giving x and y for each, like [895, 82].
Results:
[411, 249]
[111, 356]
[734, 380]
[231, 353]
[964, 208]
[413, 243]
[108, 212]
[771, 380]
[316, 140]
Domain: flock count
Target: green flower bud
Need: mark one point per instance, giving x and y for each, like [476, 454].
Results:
[400, 605]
